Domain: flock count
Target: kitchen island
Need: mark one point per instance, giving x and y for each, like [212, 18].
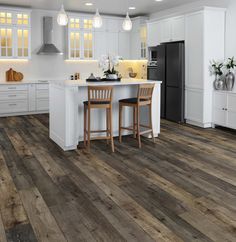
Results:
[66, 109]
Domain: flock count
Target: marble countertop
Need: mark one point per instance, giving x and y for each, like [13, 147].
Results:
[83, 83]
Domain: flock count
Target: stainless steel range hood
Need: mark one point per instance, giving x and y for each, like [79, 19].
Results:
[48, 48]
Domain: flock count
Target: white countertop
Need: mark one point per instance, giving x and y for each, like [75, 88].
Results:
[25, 82]
[83, 83]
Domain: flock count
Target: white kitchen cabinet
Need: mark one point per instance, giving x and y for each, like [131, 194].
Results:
[135, 45]
[19, 99]
[224, 109]
[166, 30]
[15, 34]
[178, 28]
[100, 44]
[124, 45]
[112, 43]
[204, 41]
[80, 38]
[154, 33]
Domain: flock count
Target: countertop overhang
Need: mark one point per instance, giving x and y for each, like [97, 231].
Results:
[123, 82]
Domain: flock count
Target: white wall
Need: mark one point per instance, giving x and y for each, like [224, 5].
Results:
[54, 67]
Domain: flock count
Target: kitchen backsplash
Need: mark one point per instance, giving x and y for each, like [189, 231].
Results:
[56, 68]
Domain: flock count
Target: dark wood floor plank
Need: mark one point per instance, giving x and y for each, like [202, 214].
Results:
[43, 223]
[183, 187]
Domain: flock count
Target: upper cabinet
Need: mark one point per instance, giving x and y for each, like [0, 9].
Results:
[80, 38]
[14, 34]
[166, 30]
[138, 39]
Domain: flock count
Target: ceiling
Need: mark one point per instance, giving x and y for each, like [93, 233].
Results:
[118, 7]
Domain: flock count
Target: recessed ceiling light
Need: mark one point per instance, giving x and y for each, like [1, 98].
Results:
[132, 8]
[158, 0]
[89, 4]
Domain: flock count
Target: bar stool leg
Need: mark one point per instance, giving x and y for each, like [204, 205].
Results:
[111, 129]
[138, 127]
[85, 125]
[150, 120]
[134, 121]
[107, 124]
[120, 122]
[89, 129]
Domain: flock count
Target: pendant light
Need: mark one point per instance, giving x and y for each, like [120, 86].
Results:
[127, 23]
[97, 20]
[62, 18]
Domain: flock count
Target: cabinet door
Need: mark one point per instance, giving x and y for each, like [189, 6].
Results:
[100, 44]
[6, 42]
[194, 48]
[23, 43]
[178, 29]
[88, 52]
[154, 33]
[231, 121]
[219, 108]
[135, 45]
[75, 44]
[112, 43]
[124, 45]
[166, 35]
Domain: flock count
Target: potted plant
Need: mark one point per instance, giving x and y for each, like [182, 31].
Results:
[216, 69]
[230, 77]
[108, 64]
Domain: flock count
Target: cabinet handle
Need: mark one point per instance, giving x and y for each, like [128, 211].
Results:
[223, 109]
[226, 109]
[12, 95]
[12, 104]
[10, 88]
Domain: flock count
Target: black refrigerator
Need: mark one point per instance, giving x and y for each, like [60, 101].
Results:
[170, 70]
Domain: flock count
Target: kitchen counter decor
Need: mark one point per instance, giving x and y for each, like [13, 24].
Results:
[108, 63]
[216, 69]
[230, 77]
[14, 76]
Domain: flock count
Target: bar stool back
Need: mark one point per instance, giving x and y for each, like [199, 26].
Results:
[98, 97]
[144, 98]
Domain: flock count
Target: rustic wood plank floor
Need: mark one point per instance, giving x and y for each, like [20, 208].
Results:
[182, 188]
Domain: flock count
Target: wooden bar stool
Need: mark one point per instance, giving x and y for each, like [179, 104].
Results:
[98, 97]
[144, 98]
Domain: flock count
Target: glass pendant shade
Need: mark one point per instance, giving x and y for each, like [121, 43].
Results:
[62, 18]
[97, 20]
[127, 24]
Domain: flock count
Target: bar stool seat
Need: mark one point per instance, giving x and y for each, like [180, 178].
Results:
[144, 98]
[97, 103]
[131, 100]
[99, 97]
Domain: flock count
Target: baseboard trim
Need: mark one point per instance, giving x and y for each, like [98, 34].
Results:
[199, 124]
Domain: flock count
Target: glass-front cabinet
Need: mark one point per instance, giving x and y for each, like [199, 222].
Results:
[14, 34]
[80, 38]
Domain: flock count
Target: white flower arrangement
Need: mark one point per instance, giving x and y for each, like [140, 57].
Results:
[108, 63]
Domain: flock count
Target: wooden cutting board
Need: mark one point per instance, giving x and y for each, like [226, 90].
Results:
[13, 76]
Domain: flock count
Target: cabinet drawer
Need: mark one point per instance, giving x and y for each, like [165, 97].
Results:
[13, 106]
[42, 86]
[19, 87]
[42, 93]
[42, 105]
[19, 95]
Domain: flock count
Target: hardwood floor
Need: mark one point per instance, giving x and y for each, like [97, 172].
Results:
[182, 188]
